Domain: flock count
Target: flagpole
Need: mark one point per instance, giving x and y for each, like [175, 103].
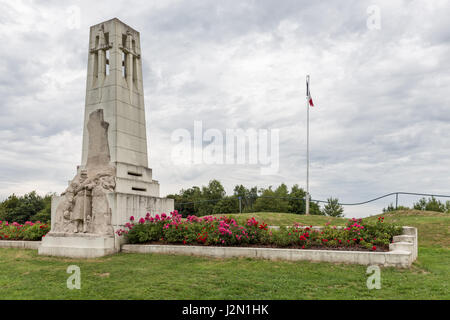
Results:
[307, 147]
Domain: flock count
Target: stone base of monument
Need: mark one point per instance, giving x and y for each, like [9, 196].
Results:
[77, 245]
[86, 245]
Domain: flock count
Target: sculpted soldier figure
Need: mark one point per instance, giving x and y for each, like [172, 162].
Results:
[81, 212]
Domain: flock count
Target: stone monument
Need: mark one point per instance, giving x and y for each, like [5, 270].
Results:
[113, 181]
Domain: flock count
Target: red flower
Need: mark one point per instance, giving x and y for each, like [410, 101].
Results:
[374, 248]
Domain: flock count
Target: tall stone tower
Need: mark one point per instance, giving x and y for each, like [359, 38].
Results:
[113, 181]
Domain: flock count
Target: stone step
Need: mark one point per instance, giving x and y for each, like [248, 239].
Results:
[401, 246]
[404, 238]
[411, 231]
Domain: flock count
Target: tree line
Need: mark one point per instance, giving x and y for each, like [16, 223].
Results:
[29, 207]
[430, 204]
[212, 199]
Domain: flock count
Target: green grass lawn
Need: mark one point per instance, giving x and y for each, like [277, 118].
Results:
[25, 275]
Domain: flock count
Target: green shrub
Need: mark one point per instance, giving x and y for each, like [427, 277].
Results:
[30, 206]
[333, 208]
[430, 204]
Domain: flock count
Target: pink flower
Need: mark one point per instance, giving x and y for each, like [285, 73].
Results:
[131, 218]
[141, 220]
[128, 225]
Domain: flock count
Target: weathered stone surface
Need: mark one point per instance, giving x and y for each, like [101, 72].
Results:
[71, 245]
[98, 149]
[84, 207]
[20, 244]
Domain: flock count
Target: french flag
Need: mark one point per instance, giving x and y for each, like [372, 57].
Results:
[308, 94]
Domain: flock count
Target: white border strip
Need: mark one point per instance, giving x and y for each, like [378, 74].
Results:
[20, 244]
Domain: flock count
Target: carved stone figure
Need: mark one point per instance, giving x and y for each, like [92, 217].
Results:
[85, 207]
[101, 211]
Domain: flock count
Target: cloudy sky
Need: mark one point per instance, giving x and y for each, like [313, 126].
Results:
[381, 89]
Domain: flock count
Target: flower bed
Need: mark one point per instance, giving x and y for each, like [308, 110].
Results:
[213, 231]
[32, 231]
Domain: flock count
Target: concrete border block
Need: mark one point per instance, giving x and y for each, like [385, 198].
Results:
[20, 244]
[392, 258]
[401, 246]
[401, 253]
[412, 231]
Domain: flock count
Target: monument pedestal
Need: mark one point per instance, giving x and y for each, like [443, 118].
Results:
[77, 245]
[88, 245]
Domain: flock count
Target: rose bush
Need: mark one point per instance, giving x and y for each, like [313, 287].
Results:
[28, 231]
[224, 231]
